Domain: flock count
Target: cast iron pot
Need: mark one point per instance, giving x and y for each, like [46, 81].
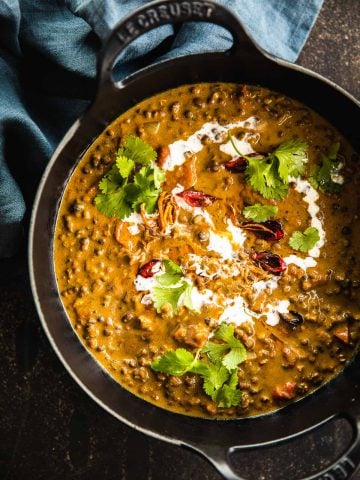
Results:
[245, 62]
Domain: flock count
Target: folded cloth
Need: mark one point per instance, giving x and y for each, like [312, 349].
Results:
[47, 73]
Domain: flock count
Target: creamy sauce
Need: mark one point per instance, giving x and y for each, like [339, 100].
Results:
[236, 311]
[265, 285]
[238, 235]
[221, 245]
[303, 263]
[311, 196]
[181, 149]
[242, 146]
[272, 311]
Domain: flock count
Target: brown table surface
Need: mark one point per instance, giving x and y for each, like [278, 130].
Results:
[50, 429]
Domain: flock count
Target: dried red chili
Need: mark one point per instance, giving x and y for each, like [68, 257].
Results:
[236, 165]
[148, 270]
[270, 262]
[271, 230]
[197, 199]
[239, 164]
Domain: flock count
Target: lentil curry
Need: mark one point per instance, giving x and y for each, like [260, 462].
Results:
[205, 250]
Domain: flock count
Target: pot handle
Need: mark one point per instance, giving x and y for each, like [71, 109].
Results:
[161, 12]
[342, 469]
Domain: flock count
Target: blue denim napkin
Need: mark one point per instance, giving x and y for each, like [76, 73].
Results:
[47, 74]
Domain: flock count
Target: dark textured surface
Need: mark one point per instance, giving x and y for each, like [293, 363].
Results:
[333, 48]
[50, 429]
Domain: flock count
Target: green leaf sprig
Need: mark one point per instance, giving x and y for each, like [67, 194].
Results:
[260, 213]
[172, 288]
[218, 365]
[132, 181]
[271, 174]
[322, 175]
[304, 241]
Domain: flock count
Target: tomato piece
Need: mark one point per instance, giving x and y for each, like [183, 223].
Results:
[285, 392]
[342, 334]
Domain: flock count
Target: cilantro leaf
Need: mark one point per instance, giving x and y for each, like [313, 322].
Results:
[260, 213]
[176, 296]
[175, 362]
[322, 176]
[111, 181]
[125, 165]
[162, 295]
[113, 204]
[147, 197]
[215, 351]
[178, 362]
[304, 241]
[228, 395]
[125, 188]
[292, 157]
[148, 192]
[158, 176]
[219, 374]
[139, 151]
[172, 267]
[173, 274]
[214, 378]
[172, 288]
[236, 350]
[186, 300]
[261, 174]
[270, 175]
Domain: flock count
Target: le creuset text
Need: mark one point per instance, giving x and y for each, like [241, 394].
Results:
[164, 13]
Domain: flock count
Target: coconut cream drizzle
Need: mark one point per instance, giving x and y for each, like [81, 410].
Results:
[242, 146]
[221, 245]
[236, 311]
[310, 197]
[303, 263]
[180, 149]
[133, 221]
[238, 235]
[273, 311]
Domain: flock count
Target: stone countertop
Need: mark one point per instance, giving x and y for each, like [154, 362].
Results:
[50, 429]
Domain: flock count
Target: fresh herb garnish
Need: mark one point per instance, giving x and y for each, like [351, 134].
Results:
[176, 296]
[291, 156]
[230, 352]
[260, 213]
[322, 176]
[304, 241]
[173, 273]
[133, 181]
[217, 367]
[176, 362]
[172, 288]
[271, 174]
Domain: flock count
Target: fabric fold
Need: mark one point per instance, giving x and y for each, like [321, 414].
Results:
[48, 56]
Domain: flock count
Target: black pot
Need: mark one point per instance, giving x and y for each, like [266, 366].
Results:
[243, 63]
